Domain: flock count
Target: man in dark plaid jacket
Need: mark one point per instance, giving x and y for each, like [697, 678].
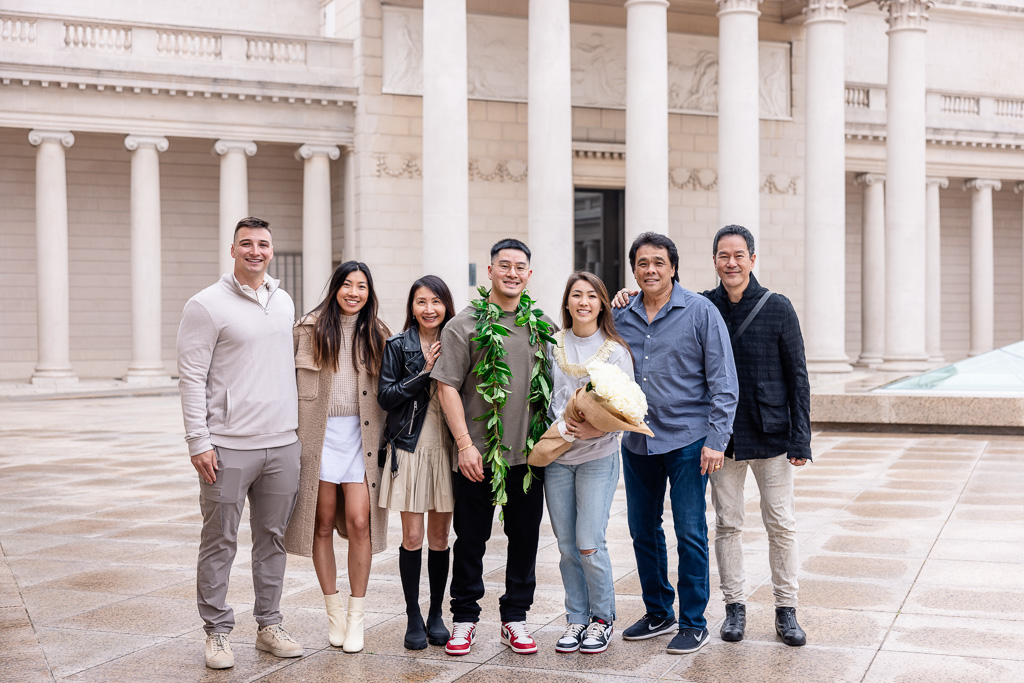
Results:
[771, 432]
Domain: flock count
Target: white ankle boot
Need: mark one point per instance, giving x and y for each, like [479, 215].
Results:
[335, 619]
[354, 625]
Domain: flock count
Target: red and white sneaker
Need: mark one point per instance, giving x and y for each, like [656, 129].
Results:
[463, 635]
[515, 635]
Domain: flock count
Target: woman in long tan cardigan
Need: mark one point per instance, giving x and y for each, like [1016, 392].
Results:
[338, 349]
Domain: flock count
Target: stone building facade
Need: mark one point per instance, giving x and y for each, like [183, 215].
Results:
[874, 149]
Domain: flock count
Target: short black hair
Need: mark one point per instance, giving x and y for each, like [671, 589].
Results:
[655, 239]
[510, 243]
[251, 222]
[734, 230]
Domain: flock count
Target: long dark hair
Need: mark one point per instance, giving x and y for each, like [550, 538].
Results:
[370, 332]
[605, 322]
[440, 290]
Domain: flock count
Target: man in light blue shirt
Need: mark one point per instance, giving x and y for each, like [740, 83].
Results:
[683, 362]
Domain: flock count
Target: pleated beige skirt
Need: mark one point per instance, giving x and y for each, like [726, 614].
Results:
[424, 480]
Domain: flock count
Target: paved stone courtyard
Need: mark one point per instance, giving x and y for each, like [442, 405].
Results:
[912, 554]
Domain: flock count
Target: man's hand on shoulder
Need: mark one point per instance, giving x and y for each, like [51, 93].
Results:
[206, 465]
[471, 464]
[623, 296]
[711, 460]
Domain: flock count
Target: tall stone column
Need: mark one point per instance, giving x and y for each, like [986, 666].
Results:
[739, 139]
[52, 281]
[349, 194]
[234, 193]
[1018, 189]
[933, 270]
[983, 289]
[446, 146]
[825, 184]
[549, 146]
[905, 187]
[147, 288]
[316, 220]
[872, 270]
[646, 120]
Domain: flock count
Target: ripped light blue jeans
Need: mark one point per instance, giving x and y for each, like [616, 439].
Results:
[579, 499]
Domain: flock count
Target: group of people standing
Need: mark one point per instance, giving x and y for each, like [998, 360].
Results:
[328, 424]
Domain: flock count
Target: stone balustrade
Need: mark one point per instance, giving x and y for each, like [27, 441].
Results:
[76, 47]
[952, 118]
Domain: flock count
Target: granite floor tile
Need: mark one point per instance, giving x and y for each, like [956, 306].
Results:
[906, 667]
[506, 674]
[137, 616]
[970, 574]
[850, 544]
[753, 662]
[957, 601]
[860, 567]
[21, 658]
[984, 531]
[937, 634]
[122, 580]
[95, 550]
[69, 651]
[363, 668]
[974, 550]
[47, 605]
[876, 596]
[31, 571]
[840, 628]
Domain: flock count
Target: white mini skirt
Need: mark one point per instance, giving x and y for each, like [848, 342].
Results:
[342, 459]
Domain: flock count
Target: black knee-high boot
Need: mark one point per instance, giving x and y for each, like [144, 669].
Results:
[437, 571]
[409, 568]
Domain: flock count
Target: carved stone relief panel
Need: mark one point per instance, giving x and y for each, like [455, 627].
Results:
[497, 64]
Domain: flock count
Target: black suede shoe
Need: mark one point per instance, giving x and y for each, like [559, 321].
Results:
[649, 626]
[735, 622]
[787, 627]
[409, 569]
[437, 570]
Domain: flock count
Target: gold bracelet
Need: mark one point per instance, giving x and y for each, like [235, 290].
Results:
[466, 447]
[460, 436]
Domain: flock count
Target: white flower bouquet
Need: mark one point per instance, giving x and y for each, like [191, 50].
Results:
[611, 402]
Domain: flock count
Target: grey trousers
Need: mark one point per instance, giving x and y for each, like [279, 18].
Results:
[270, 479]
[774, 478]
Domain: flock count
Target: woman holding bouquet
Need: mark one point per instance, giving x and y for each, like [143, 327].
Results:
[580, 484]
[418, 468]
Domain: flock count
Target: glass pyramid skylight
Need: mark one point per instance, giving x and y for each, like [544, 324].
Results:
[999, 372]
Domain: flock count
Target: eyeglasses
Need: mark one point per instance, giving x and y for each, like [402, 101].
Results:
[504, 267]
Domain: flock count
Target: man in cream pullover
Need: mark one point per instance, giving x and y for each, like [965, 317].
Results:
[240, 406]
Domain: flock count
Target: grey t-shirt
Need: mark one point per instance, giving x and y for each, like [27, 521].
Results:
[459, 355]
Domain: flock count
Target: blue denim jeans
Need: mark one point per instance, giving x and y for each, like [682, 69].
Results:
[645, 478]
[579, 500]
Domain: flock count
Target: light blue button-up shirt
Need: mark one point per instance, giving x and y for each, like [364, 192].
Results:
[683, 362]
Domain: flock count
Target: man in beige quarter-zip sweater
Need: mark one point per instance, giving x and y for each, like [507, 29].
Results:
[238, 397]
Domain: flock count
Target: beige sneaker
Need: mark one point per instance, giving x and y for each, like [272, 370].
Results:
[275, 640]
[218, 652]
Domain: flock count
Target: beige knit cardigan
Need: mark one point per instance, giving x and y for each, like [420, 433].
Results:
[314, 386]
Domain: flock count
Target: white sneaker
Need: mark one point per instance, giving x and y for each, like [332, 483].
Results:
[463, 635]
[571, 638]
[218, 652]
[275, 640]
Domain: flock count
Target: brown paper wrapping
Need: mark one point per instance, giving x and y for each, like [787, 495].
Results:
[600, 414]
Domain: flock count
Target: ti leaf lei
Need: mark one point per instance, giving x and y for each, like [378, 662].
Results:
[494, 374]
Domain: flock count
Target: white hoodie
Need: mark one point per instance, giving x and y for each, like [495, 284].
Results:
[237, 369]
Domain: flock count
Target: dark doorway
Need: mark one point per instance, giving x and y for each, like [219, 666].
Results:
[598, 238]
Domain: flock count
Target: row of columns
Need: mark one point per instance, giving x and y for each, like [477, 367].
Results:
[875, 265]
[53, 283]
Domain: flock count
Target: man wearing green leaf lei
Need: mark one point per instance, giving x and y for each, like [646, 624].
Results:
[494, 384]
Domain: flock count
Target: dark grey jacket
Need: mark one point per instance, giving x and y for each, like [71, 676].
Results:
[774, 411]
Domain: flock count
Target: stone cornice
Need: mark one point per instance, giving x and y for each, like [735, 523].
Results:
[869, 178]
[738, 7]
[222, 147]
[662, 3]
[824, 10]
[64, 137]
[941, 182]
[906, 14]
[982, 184]
[134, 142]
[308, 151]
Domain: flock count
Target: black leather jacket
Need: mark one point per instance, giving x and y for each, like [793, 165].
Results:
[404, 389]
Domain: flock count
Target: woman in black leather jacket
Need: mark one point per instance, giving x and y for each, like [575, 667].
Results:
[418, 457]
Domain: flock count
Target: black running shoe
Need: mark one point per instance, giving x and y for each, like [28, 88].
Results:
[650, 626]
[688, 640]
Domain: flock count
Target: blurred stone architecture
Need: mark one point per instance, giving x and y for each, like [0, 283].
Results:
[874, 148]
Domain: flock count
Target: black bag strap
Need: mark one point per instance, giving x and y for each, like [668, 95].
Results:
[753, 314]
